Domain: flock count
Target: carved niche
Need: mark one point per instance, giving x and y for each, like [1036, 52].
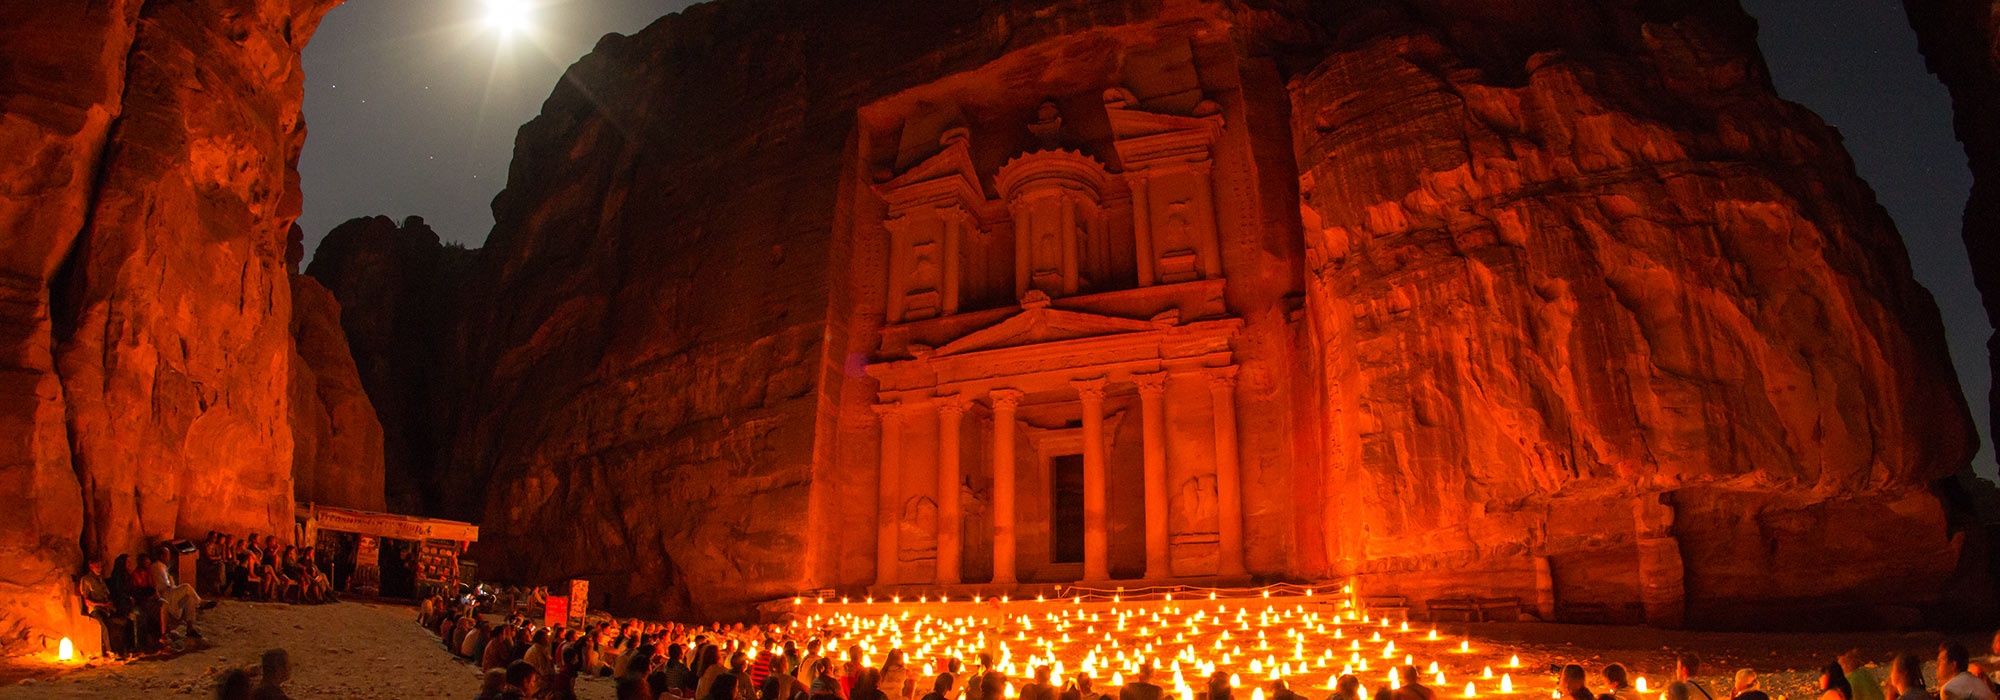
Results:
[1054, 197]
[930, 213]
[1167, 163]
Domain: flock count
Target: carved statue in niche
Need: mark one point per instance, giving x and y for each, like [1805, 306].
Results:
[929, 216]
[917, 538]
[1053, 198]
[1193, 509]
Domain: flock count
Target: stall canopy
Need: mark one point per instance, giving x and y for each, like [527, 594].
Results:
[402, 527]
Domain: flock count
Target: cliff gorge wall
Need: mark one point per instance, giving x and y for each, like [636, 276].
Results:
[1584, 314]
[146, 352]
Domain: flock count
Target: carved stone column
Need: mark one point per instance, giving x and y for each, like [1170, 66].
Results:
[889, 496]
[1152, 409]
[1142, 229]
[1228, 472]
[1204, 199]
[1096, 540]
[1004, 403]
[951, 414]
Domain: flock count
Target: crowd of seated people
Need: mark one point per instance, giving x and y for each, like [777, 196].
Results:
[139, 605]
[250, 569]
[667, 661]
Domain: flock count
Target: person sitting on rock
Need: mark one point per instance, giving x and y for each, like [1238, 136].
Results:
[178, 602]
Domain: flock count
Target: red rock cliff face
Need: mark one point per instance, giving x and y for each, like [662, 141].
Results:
[145, 308]
[1600, 315]
[1585, 315]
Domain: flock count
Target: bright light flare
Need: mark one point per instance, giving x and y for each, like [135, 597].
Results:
[509, 17]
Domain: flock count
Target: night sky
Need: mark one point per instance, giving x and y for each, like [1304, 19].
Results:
[412, 106]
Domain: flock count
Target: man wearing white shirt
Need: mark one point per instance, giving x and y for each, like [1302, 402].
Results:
[1958, 684]
[179, 602]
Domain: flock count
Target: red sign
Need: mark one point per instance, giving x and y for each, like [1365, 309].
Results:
[555, 611]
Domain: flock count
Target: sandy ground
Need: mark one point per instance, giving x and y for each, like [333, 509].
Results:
[343, 650]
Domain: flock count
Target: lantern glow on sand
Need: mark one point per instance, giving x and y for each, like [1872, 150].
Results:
[1298, 639]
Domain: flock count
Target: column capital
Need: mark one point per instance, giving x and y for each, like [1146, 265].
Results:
[1151, 384]
[1223, 377]
[888, 410]
[952, 405]
[1090, 389]
[1009, 398]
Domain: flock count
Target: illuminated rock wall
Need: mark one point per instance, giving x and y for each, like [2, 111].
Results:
[145, 300]
[1552, 301]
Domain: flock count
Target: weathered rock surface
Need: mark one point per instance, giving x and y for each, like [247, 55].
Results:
[399, 290]
[337, 453]
[144, 299]
[1589, 317]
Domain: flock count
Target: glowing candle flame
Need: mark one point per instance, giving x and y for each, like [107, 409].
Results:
[1464, 646]
[1507, 683]
[1234, 681]
[1258, 694]
[1470, 692]
[1440, 678]
[65, 651]
[1514, 661]
[1640, 684]
[1487, 673]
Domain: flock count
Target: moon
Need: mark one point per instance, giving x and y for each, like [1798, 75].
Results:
[509, 17]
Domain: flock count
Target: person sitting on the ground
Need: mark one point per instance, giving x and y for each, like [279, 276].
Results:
[1620, 684]
[1745, 687]
[1574, 682]
[1859, 681]
[1955, 681]
[499, 649]
[1833, 683]
[474, 646]
[1038, 687]
[1346, 687]
[1080, 687]
[1279, 691]
[520, 682]
[277, 670]
[941, 688]
[1686, 666]
[824, 685]
[234, 685]
[179, 603]
[490, 684]
[1906, 678]
[721, 687]
[541, 654]
[1987, 668]
[1141, 687]
[1413, 686]
[670, 674]
[632, 688]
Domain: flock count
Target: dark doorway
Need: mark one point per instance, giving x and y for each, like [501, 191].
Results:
[1066, 509]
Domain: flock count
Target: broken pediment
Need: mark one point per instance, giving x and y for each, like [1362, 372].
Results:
[1045, 325]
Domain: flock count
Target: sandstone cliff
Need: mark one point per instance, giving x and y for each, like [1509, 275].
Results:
[337, 442]
[145, 319]
[400, 290]
[1584, 313]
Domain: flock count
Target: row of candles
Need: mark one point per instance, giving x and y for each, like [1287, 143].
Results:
[1185, 642]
